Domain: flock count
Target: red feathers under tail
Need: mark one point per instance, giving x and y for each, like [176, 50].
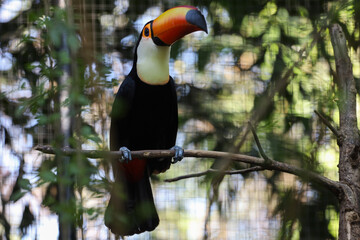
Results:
[131, 208]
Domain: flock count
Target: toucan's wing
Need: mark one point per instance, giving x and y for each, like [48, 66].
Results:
[119, 130]
[173, 123]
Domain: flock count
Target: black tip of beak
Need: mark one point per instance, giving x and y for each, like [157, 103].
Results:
[195, 17]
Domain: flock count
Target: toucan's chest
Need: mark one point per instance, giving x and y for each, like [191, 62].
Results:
[152, 109]
[152, 98]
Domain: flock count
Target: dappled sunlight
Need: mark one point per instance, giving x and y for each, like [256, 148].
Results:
[329, 160]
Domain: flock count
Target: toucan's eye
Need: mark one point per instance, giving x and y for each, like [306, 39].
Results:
[146, 32]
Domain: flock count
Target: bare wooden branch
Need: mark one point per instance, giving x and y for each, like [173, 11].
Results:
[199, 174]
[328, 124]
[104, 153]
[308, 175]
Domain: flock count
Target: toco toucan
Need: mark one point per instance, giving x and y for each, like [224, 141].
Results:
[144, 116]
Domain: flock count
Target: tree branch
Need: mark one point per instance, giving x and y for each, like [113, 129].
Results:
[283, 167]
[199, 174]
[333, 186]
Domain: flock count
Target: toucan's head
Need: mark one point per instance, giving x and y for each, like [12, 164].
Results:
[153, 49]
[174, 24]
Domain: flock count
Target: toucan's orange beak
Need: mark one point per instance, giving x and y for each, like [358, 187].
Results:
[175, 23]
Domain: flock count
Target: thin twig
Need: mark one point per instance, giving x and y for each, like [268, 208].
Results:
[258, 144]
[199, 174]
[328, 124]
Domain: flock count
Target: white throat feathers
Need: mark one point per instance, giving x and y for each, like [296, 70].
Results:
[152, 62]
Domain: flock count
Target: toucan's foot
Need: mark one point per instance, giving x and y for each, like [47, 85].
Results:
[179, 154]
[126, 155]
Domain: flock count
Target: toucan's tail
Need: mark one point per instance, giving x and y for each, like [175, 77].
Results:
[131, 208]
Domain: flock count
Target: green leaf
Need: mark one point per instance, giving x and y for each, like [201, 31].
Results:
[253, 26]
[17, 195]
[64, 57]
[25, 184]
[47, 176]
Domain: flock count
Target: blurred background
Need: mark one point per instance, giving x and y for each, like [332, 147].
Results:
[268, 62]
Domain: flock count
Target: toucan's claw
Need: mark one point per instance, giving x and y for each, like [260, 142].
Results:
[179, 154]
[126, 154]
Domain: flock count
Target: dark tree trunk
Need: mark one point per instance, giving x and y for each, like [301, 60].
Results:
[64, 132]
[348, 141]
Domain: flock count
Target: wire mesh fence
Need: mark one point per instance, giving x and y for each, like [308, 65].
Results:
[221, 78]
